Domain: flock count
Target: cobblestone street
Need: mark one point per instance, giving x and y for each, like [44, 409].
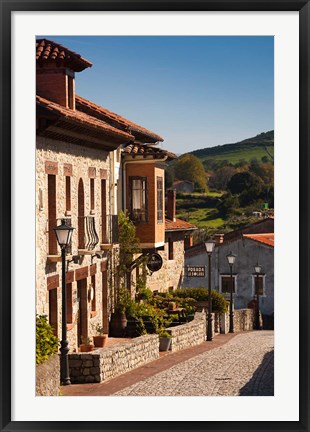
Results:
[244, 365]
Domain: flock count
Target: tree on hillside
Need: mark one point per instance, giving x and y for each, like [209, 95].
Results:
[188, 167]
[221, 177]
[263, 170]
[242, 181]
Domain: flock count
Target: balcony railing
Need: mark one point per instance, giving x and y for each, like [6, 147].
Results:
[110, 233]
[87, 234]
[91, 236]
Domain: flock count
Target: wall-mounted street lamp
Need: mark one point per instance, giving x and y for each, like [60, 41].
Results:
[231, 261]
[209, 245]
[258, 270]
[63, 234]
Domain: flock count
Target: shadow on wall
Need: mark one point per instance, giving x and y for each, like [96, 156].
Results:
[268, 322]
[262, 381]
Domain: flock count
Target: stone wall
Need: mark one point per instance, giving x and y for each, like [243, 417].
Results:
[189, 334]
[170, 276]
[243, 320]
[84, 164]
[48, 377]
[107, 363]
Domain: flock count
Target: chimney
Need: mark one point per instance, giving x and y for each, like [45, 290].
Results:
[218, 238]
[55, 72]
[171, 204]
[56, 84]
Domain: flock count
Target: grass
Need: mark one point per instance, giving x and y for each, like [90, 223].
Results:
[201, 210]
[234, 156]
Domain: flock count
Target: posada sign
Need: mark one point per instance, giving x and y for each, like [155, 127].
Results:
[196, 271]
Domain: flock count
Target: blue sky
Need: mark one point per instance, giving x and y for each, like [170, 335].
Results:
[195, 92]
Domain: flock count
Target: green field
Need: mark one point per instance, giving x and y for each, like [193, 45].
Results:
[256, 147]
[201, 210]
[246, 154]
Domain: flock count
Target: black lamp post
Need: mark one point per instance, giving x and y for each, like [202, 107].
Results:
[63, 234]
[231, 260]
[209, 248]
[258, 270]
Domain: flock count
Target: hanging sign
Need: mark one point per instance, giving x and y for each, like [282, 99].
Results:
[155, 262]
[196, 271]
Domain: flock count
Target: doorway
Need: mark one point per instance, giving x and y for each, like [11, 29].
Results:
[82, 324]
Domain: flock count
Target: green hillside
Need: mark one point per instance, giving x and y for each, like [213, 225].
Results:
[256, 147]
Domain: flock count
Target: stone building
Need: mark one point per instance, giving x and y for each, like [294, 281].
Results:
[90, 164]
[249, 249]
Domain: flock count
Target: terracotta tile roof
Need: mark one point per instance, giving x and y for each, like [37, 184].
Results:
[82, 118]
[177, 182]
[178, 225]
[266, 238]
[97, 111]
[147, 150]
[49, 51]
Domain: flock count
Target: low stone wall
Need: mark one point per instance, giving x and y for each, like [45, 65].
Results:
[243, 320]
[189, 334]
[107, 363]
[48, 377]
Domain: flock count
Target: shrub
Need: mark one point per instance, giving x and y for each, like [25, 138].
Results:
[219, 303]
[46, 342]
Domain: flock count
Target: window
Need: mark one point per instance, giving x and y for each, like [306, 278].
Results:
[225, 283]
[81, 226]
[68, 195]
[170, 249]
[261, 284]
[103, 211]
[159, 200]
[92, 194]
[138, 199]
[51, 192]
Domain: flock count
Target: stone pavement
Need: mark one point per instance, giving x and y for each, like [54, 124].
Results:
[231, 365]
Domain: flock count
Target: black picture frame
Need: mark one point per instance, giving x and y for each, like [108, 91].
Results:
[7, 7]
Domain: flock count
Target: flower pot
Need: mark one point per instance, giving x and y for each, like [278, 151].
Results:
[86, 347]
[100, 341]
[164, 343]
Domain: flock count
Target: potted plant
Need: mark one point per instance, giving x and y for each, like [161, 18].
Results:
[100, 339]
[86, 346]
[164, 340]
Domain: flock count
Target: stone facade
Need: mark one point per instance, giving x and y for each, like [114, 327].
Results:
[189, 334]
[248, 253]
[82, 166]
[244, 320]
[170, 276]
[107, 363]
[48, 377]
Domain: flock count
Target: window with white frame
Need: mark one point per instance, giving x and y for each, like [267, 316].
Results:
[225, 283]
[260, 281]
[138, 199]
